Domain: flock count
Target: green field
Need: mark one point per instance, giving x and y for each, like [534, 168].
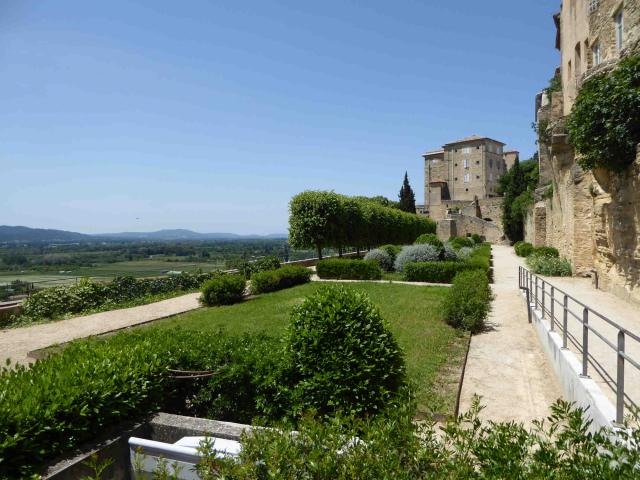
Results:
[434, 350]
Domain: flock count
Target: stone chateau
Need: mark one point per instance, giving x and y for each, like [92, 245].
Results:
[592, 217]
[460, 186]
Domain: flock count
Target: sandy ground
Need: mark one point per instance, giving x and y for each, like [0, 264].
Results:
[16, 343]
[506, 365]
[623, 313]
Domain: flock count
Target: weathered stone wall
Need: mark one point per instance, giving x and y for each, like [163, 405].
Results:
[468, 225]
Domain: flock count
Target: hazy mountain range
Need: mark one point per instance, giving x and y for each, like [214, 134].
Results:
[18, 234]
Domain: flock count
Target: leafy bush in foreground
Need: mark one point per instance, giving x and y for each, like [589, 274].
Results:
[285, 277]
[523, 249]
[343, 269]
[381, 257]
[343, 358]
[546, 251]
[551, 266]
[395, 447]
[223, 290]
[468, 301]
[416, 253]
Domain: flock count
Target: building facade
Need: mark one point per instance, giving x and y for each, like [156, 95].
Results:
[465, 170]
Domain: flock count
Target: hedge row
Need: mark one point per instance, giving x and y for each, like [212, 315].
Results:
[223, 290]
[445, 271]
[88, 295]
[343, 269]
[524, 249]
[468, 301]
[285, 277]
[326, 219]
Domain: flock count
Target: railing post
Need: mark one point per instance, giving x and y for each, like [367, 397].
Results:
[565, 315]
[543, 296]
[535, 297]
[553, 318]
[620, 380]
[528, 304]
[585, 341]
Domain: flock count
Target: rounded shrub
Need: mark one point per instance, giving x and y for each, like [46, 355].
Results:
[459, 242]
[429, 239]
[381, 257]
[468, 301]
[348, 269]
[477, 239]
[464, 253]
[223, 290]
[449, 253]
[546, 251]
[416, 253]
[550, 266]
[523, 249]
[273, 280]
[392, 250]
[342, 355]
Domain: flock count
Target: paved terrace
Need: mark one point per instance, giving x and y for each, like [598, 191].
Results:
[506, 365]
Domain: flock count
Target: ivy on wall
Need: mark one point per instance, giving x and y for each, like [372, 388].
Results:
[604, 125]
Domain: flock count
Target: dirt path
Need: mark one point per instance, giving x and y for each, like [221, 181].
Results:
[506, 365]
[18, 342]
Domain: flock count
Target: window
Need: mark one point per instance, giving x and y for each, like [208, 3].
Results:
[478, 161]
[619, 19]
[466, 163]
[478, 177]
[467, 178]
[578, 60]
[490, 163]
[466, 150]
[499, 150]
[596, 54]
[491, 176]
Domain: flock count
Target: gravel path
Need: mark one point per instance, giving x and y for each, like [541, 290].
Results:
[506, 365]
[16, 343]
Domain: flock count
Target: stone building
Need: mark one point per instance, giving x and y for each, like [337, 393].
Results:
[592, 217]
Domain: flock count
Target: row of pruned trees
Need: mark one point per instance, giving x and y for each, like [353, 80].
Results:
[319, 219]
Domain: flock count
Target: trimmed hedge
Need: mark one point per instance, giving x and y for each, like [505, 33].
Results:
[223, 290]
[382, 258]
[345, 269]
[278, 279]
[546, 251]
[435, 272]
[88, 295]
[416, 253]
[459, 242]
[523, 249]
[468, 301]
[430, 239]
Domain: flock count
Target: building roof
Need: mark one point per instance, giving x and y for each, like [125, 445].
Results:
[432, 152]
[511, 151]
[473, 138]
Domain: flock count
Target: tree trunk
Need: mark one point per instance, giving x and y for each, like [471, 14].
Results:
[319, 252]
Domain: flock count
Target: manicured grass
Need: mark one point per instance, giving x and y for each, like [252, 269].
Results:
[433, 350]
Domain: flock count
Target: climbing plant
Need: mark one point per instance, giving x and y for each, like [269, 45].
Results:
[604, 124]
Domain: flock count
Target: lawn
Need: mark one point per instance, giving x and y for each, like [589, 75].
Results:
[434, 351]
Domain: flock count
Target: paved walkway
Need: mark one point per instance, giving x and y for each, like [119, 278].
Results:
[621, 312]
[506, 365]
[16, 343]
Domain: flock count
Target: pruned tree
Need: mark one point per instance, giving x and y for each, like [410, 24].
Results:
[407, 197]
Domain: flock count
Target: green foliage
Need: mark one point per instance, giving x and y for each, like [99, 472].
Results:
[88, 295]
[466, 447]
[392, 250]
[343, 357]
[550, 266]
[603, 125]
[407, 199]
[555, 84]
[284, 277]
[546, 251]
[429, 239]
[270, 262]
[434, 272]
[459, 242]
[346, 269]
[468, 301]
[381, 257]
[517, 185]
[326, 219]
[477, 239]
[416, 253]
[523, 249]
[223, 290]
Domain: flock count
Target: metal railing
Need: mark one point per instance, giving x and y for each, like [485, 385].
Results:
[558, 307]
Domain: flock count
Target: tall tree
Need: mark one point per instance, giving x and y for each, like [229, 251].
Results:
[407, 197]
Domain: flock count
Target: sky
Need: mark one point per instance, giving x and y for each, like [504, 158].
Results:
[211, 115]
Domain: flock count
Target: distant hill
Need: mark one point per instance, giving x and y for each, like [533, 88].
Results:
[9, 234]
[19, 234]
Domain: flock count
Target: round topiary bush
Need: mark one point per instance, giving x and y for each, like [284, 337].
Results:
[459, 242]
[523, 249]
[416, 253]
[477, 239]
[381, 257]
[464, 253]
[449, 253]
[223, 290]
[342, 355]
[392, 250]
[429, 239]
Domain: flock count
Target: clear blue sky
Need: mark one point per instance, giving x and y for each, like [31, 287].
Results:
[210, 115]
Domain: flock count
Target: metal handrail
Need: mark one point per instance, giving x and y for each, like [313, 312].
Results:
[535, 288]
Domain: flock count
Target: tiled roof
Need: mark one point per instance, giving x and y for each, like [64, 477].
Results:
[473, 138]
[432, 152]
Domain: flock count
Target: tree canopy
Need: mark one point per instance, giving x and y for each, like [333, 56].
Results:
[517, 186]
[407, 197]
